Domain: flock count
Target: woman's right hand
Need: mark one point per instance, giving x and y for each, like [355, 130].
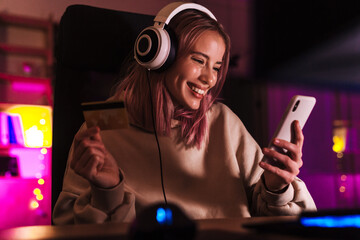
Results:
[92, 161]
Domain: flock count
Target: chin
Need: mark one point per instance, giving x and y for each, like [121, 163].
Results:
[194, 107]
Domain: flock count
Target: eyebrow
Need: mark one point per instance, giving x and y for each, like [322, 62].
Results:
[205, 56]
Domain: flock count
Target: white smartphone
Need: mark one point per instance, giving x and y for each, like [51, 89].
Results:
[299, 108]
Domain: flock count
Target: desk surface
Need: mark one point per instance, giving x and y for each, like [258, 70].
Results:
[207, 229]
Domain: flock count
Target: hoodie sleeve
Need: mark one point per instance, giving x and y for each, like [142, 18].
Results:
[81, 202]
[295, 199]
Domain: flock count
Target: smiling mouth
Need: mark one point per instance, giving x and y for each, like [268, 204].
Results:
[196, 89]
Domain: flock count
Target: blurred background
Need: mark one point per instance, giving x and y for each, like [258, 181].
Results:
[280, 48]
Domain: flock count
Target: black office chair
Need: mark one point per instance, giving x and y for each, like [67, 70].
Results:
[90, 47]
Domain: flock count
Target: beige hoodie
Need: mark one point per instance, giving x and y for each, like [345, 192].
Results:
[221, 179]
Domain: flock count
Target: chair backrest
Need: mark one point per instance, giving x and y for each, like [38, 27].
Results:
[90, 47]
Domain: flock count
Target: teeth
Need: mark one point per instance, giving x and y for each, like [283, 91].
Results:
[198, 90]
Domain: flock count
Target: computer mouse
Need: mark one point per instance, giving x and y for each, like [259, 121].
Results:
[162, 221]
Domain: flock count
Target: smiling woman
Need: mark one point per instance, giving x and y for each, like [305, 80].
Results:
[186, 29]
[196, 72]
[210, 162]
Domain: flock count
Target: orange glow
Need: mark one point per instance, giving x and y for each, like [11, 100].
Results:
[339, 144]
[343, 178]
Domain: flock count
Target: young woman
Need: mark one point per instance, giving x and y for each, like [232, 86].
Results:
[211, 165]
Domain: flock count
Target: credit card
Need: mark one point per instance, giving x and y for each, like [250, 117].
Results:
[105, 115]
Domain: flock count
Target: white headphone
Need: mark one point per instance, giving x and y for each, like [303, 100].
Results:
[154, 48]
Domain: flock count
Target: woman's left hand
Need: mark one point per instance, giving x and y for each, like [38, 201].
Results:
[276, 177]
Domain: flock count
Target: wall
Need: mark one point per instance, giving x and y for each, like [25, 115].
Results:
[319, 169]
[233, 14]
[55, 9]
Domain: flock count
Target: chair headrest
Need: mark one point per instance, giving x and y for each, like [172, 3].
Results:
[97, 39]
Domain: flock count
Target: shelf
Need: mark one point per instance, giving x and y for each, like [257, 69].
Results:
[44, 81]
[25, 21]
[45, 25]
[10, 146]
[18, 78]
[25, 50]
[17, 146]
[24, 83]
[27, 40]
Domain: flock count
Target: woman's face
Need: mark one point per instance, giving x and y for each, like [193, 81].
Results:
[194, 74]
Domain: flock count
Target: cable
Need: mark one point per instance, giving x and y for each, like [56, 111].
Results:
[156, 137]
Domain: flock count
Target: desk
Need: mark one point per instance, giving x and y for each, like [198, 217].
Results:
[207, 229]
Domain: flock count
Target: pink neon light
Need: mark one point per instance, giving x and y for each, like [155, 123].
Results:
[28, 87]
[4, 129]
[16, 196]
[27, 68]
[32, 163]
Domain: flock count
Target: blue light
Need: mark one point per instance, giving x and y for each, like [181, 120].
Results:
[169, 218]
[161, 215]
[12, 137]
[164, 216]
[332, 221]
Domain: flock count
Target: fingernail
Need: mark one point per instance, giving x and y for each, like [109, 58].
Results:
[276, 141]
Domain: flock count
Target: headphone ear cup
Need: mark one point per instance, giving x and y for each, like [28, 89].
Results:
[172, 51]
[153, 48]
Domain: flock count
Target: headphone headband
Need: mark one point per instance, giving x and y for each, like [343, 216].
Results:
[154, 48]
[169, 11]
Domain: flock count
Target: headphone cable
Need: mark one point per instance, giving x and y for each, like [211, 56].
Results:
[156, 137]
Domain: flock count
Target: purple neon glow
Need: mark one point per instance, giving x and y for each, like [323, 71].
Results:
[27, 68]
[353, 140]
[333, 182]
[32, 163]
[4, 130]
[349, 196]
[28, 87]
[16, 195]
[19, 205]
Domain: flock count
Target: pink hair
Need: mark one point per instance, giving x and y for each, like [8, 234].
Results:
[187, 26]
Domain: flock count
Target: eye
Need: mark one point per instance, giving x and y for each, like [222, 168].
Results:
[198, 60]
[217, 69]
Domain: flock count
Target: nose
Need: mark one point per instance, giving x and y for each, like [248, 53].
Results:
[208, 76]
